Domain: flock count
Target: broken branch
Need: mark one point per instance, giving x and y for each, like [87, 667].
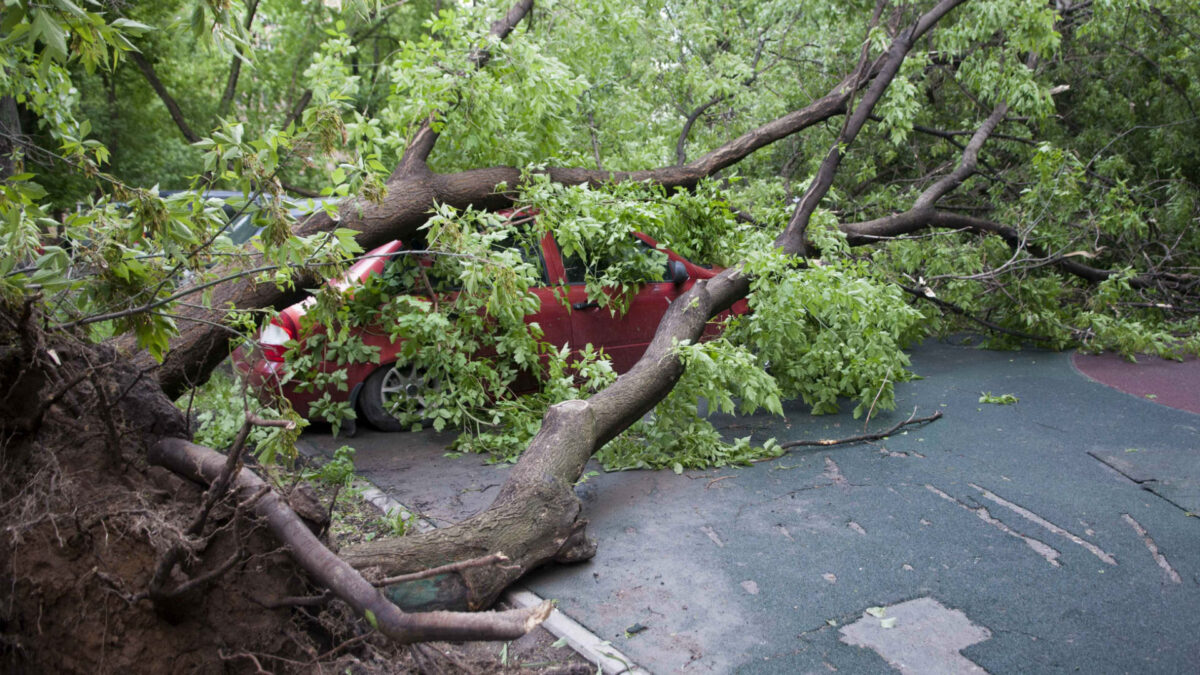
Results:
[483, 561]
[865, 437]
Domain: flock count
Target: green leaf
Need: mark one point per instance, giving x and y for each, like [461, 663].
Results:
[1002, 399]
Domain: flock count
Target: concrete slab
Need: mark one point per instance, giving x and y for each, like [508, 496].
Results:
[757, 569]
[917, 637]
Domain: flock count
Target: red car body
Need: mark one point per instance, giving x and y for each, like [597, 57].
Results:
[577, 322]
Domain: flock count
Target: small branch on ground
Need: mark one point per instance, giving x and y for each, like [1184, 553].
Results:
[493, 559]
[912, 419]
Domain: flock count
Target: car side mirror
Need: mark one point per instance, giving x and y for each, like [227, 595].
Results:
[676, 272]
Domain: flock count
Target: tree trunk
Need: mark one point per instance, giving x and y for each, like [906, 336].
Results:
[536, 517]
[203, 465]
[10, 132]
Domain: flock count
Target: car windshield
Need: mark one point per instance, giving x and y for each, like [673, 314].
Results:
[639, 256]
[415, 271]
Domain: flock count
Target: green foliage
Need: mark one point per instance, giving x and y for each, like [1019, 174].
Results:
[719, 375]
[219, 407]
[1096, 163]
[338, 471]
[1000, 399]
[828, 331]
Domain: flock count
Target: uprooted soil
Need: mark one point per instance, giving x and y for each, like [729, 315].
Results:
[86, 522]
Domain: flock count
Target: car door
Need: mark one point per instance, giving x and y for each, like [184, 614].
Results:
[624, 337]
[552, 317]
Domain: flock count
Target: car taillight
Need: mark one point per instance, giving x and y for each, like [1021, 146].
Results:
[274, 337]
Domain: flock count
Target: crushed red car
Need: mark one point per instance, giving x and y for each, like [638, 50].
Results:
[577, 322]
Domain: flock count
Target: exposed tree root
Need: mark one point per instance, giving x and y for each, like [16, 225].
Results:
[204, 465]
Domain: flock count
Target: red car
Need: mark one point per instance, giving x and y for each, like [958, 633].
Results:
[577, 322]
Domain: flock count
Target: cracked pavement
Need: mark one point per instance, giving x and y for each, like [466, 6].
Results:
[1054, 534]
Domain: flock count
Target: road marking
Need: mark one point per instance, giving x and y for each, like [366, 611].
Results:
[1149, 541]
[921, 636]
[1035, 518]
[1040, 547]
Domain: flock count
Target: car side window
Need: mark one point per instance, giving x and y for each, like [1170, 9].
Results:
[577, 271]
[531, 252]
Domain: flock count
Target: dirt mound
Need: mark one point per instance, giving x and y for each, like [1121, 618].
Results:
[87, 522]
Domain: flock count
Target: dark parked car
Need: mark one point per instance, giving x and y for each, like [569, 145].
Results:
[577, 322]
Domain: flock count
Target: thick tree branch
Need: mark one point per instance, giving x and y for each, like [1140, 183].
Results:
[792, 238]
[203, 465]
[968, 163]
[165, 96]
[501, 28]
[898, 224]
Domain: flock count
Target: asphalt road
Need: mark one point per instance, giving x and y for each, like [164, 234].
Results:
[1052, 535]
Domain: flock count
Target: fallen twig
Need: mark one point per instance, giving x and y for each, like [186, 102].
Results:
[483, 561]
[912, 419]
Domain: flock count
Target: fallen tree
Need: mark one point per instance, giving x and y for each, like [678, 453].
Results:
[537, 504]
[536, 518]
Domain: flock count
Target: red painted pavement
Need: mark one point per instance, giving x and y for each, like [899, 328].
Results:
[1171, 383]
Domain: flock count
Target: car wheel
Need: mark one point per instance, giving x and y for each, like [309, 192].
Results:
[394, 398]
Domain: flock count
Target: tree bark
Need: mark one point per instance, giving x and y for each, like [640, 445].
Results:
[235, 65]
[10, 134]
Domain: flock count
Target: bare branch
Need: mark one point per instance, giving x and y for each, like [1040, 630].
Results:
[163, 95]
[493, 559]
[925, 294]
[912, 419]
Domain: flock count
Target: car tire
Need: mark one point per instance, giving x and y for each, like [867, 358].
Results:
[382, 389]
